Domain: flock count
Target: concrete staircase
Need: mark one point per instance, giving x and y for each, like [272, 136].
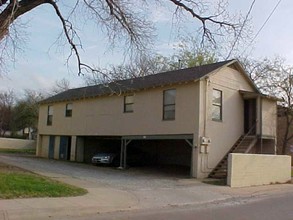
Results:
[243, 145]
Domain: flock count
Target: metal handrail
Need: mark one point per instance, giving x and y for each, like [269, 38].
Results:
[247, 134]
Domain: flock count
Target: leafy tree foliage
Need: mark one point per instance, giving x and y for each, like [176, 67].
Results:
[26, 110]
[6, 106]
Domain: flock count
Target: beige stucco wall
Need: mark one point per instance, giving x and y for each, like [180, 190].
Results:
[223, 133]
[269, 117]
[104, 116]
[44, 146]
[255, 169]
[11, 143]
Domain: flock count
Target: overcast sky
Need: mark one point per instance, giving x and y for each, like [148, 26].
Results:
[41, 64]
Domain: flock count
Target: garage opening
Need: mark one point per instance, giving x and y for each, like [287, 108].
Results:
[51, 146]
[170, 155]
[65, 147]
[94, 145]
[165, 156]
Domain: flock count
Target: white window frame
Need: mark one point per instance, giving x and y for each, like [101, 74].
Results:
[218, 105]
[50, 115]
[128, 105]
[169, 107]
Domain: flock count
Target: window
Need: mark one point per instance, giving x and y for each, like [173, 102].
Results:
[68, 110]
[50, 115]
[169, 104]
[128, 103]
[217, 105]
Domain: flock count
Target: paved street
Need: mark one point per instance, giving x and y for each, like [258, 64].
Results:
[111, 190]
[272, 208]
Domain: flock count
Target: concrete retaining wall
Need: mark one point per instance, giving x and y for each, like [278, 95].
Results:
[256, 169]
[10, 143]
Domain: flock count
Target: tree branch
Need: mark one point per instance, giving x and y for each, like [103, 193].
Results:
[122, 20]
[203, 19]
[13, 10]
[69, 33]
[3, 2]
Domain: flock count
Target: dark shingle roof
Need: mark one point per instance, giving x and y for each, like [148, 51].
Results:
[135, 84]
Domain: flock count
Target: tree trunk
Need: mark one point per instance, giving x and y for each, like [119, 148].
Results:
[13, 11]
[284, 147]
[285, 138]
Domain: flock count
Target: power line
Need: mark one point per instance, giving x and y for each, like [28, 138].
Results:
[266, 21]
[244, 22]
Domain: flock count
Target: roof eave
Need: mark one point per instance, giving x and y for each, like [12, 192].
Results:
[120, 93]
[217, 70]
[242, 70]
[254, 95]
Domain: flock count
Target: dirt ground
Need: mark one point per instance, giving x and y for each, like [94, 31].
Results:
[5, 168]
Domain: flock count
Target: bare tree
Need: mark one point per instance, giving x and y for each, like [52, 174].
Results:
[259, 70]
[188, 53]
[282, 87]
[120, 19]
[274, 77]
[140, 66]
[60, 86]
[148, 65]
[6, 107]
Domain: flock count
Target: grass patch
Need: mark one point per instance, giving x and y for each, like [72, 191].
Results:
[18, 151]
[17, 183]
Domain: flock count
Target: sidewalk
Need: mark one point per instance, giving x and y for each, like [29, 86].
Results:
[97, 200]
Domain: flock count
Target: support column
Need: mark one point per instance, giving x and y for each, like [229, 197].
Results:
[80, 149]
[73, 148]
[194, 162]
[275, 146]
[57, 148]
[123, 153]
[39, 146]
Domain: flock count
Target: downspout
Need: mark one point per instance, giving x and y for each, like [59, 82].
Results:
[276, 125]
[206, 105]
[204, 159]
[205, 165]
[260, 130]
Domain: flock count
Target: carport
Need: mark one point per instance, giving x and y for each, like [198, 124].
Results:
[97, 144]
[160, 149]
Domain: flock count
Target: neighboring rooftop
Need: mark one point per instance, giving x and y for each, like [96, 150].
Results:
[139, 83]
